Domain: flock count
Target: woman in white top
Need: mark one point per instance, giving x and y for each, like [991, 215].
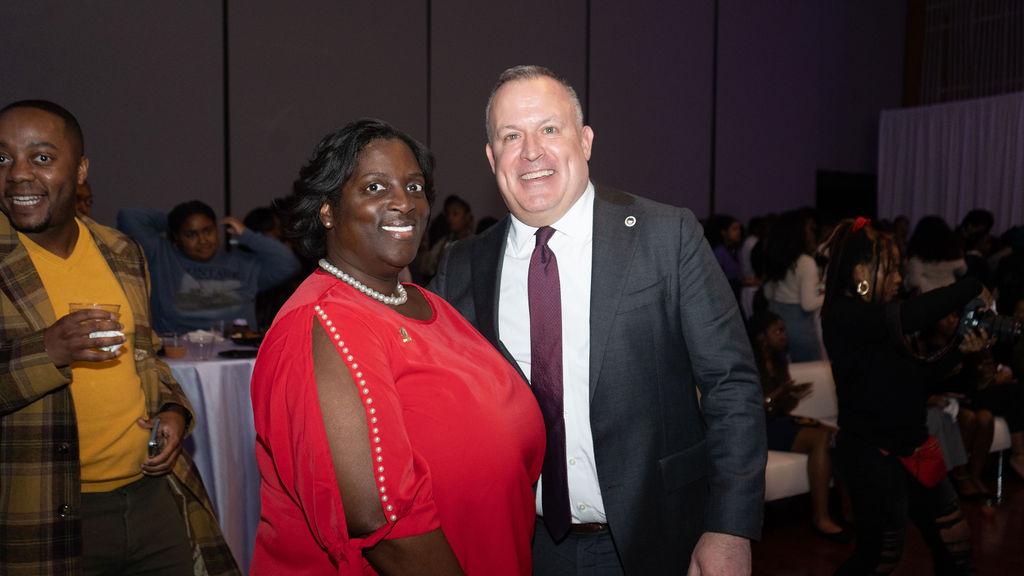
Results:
[793, 282]
[935, 257]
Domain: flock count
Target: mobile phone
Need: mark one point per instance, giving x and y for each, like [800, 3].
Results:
[155, 445]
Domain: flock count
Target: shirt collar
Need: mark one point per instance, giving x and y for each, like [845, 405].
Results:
[577, 223]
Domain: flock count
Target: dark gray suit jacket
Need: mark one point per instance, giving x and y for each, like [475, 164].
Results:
[663, 325]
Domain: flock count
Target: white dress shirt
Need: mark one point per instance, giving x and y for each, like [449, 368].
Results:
[573, 245]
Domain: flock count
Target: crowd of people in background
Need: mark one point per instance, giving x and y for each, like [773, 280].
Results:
[778, 272]
[888, 305]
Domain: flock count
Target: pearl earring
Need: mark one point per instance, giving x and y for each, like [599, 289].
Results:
[863, 287]
[327, 224]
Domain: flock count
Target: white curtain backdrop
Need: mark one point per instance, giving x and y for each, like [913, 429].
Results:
[951, 158]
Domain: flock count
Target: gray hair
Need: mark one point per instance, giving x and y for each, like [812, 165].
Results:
[530, 72]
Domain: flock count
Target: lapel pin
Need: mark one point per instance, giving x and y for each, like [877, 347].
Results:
[630, 221]
[405, 335]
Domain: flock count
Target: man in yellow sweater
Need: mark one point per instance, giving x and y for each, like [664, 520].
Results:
[80, 389]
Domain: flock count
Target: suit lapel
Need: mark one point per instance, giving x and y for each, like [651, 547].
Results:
[614, 243]
[488, 257]
[488, 253]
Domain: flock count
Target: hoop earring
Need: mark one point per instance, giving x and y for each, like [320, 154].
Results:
[863, 287]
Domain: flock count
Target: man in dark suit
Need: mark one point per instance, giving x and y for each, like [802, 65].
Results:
[616, 310]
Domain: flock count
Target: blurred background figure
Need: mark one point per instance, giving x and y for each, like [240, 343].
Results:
[268, 220]
[793, 282]
[934, 256]
[790, 433]
[83, 199]
[458, 219]
[725, 233]
[196, 284]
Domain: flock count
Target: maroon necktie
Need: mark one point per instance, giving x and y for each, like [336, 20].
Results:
[546, 379]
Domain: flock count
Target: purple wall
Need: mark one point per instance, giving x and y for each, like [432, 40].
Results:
[650, 98]
[800, 87]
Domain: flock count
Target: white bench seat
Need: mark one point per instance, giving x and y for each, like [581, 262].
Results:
[786, 472]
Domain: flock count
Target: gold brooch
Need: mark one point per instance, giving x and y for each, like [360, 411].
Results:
[405, 335]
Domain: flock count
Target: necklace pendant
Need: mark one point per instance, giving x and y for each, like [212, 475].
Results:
[405, 336]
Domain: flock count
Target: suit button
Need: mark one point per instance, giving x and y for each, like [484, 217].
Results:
[63, 448]
[64, 511]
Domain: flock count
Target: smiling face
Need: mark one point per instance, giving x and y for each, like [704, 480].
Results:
[197, 238]
[538, 151]
[375, 229]
[40, 169]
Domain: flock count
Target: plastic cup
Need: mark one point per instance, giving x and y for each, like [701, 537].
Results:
[200, 346]
[114, 309]
[174, 345]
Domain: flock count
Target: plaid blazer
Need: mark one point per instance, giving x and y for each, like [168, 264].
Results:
[40, 492]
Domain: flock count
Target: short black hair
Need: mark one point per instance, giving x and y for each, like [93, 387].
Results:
[177, 216]
[70, 122]
[715, 225]
[979, 218]
[322, 178]
[934, 241]
[262, 219]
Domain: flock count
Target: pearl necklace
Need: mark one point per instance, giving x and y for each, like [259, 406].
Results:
[400, 298]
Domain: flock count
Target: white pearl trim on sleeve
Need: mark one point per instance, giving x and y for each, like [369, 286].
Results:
[371, 412]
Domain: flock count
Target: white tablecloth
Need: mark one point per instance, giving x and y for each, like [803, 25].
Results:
[223, 445]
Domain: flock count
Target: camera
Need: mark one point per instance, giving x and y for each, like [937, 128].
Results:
[976, 316]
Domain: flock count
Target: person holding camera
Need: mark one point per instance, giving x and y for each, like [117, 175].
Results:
[892, 467]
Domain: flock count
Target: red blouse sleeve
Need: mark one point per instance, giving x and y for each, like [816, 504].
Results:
[401, 475]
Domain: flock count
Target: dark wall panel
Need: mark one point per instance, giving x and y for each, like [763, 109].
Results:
[471, 44]
[801, 87]
[297, 74]
[767, 107]
[144, 80]
[860, 67]
[650, 98]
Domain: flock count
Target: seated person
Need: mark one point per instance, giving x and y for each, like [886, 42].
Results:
[789, 433]
[976, 425]
[195, 283]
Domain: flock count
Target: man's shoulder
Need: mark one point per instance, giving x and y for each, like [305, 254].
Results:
[119, 243]
[608, 197]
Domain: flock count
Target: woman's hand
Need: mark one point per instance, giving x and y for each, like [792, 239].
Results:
[975, 341]
[234, 225]
[787, 396]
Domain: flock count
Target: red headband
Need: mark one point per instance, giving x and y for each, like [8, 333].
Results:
[859, 223]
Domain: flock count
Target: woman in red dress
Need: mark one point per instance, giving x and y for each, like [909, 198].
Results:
[391, 437]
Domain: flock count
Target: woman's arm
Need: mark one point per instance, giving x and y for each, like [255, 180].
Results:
[923, 311]
[808, 280]
[346, 428]
[147, 227]
[277, 261]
